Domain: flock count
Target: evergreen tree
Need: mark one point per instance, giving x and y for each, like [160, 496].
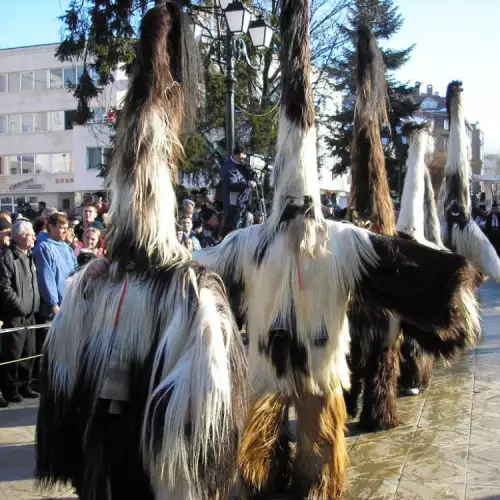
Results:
[385, 21]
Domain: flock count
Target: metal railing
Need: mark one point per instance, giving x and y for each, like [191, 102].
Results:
[11, 330]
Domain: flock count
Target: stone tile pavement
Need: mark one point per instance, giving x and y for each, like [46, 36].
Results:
[448, 446]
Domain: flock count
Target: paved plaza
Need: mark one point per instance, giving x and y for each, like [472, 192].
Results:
[447, 448]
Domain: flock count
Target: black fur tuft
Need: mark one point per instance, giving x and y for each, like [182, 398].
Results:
[295, 58]
[431, 305]
[453, 89]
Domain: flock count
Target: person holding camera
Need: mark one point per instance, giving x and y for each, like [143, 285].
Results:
[236, 186]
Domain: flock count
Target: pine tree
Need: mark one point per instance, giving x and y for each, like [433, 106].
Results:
[386, 21]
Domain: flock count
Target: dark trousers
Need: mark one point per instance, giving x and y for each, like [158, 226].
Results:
[17, 345]
[232, 217]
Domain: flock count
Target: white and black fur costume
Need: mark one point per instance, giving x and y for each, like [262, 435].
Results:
[417, 220]
[417, 215]
[374, 356]
[459, 232]
[296, 275]
[144, 373]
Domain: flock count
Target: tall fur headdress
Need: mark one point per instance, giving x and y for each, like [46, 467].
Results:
[457, 168]
[162, 98]
[412, 220]
[296, 195]
[459, 232]
[370, 197]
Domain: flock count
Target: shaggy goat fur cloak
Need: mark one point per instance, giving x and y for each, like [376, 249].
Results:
[374, 359]
[296, 275]
[417, 220]
[458, 230]
[145, 376]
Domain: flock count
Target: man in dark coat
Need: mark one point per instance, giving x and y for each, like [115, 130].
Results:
[20, 300]
[235, 181]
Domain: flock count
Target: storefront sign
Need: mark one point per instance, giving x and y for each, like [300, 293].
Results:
[34, 187]
[21, 184]
[26, 185]
[64, 180]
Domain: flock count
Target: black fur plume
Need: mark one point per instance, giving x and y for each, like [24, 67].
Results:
[296, 98]
[453, 88]
[370, 196]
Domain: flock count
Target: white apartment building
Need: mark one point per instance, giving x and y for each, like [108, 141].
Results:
[43, 156]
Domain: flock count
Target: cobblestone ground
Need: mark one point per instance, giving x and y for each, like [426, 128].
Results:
[447, 448]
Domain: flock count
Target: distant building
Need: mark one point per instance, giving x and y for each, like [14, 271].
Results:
[477, 160]
[43, 155]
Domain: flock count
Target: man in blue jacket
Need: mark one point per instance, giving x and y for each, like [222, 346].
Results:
[235, 180]
[55, 261]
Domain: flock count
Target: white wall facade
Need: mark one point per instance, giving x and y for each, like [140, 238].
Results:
[43, 157]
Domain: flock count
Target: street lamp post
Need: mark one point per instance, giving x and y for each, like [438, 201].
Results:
[230, 86]
[237, 17]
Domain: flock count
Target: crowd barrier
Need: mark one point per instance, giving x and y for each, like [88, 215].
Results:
[10, 330]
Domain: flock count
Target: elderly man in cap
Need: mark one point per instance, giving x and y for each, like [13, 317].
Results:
[20, 300]
[188, 208]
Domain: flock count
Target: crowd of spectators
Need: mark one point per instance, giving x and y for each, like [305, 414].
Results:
[39, 250]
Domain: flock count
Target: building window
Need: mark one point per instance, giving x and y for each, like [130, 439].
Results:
[27, 122]
[14, 124]
[14, 165]
[10, 203]
[69, 77]
[97, 158]
[56, 120]
[14, 82]
[56, 79]
[61, 163]
[98, 115]
[28, 164]
[3, 124]
[70, 117]
[41, 120]
[429, 104]
[43, 164]
[7, 203]
[41, 79]
[27, 82]
[3, 83]
[94, 76]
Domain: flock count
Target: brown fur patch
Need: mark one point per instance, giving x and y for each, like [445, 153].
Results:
[416, 365]
[321, 462]
[261, 443]
[370, 197]
[379, 396]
